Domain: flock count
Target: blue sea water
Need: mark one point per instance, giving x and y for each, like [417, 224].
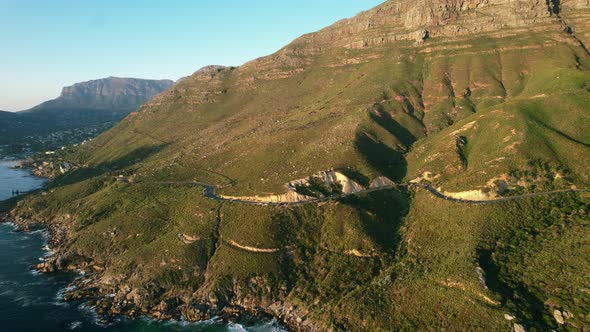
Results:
[31, 301]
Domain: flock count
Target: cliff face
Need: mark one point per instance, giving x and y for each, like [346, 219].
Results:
[414, 20]
[395, 22]
[111, 93]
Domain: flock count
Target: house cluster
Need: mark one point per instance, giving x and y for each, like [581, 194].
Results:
[51, 142]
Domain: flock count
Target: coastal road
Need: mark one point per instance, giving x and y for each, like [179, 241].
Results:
[209, 192]
[438, 194]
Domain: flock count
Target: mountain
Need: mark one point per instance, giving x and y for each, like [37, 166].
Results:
[108, 94]
[454, 122]
[85, 109]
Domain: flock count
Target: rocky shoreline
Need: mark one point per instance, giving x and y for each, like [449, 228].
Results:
[111, 298]
[114, 298]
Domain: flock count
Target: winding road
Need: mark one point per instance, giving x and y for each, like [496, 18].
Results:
[438, 194]
[209, 192]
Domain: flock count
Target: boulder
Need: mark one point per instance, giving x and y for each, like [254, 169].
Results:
[518, 328]
[558, 317]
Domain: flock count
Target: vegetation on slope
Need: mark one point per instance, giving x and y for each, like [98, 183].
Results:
[473, 107]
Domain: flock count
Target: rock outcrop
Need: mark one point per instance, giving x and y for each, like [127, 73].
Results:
[289, 197]
[416, 20]
[329, 178]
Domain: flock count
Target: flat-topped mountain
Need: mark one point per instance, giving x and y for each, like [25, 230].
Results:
[110, 94]
[433, 112]
[81, 111]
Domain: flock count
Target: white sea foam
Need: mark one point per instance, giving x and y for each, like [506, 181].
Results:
[11, 224]
[90, 313]
[234, 327]
[59, 297]
[75, 325]
[184, 323]
[48, 251]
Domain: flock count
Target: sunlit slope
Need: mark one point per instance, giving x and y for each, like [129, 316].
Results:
[514, 98]
[466, 95]
[539, 112]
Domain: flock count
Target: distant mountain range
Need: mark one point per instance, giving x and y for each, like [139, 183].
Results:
[80, 107]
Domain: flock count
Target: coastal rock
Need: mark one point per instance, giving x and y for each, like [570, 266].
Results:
[166, 309]
[195, 312]
[46, 267]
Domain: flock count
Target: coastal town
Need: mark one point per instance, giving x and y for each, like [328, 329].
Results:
[52, 141]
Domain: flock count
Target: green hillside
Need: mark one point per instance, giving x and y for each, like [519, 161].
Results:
[489, 97]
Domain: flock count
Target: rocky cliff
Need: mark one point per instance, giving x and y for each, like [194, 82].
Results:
[112, 94]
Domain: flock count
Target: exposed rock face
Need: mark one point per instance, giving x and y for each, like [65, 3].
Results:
[576, 16]
[415, 21]
[290, 197]
[408, 20]
[381, 182]
[329, 178]
[207, 71]
[474, 195]
[348, 186]
[573, 4]
[111, 93]
[210, 77]
[558, 317]
[518, 328]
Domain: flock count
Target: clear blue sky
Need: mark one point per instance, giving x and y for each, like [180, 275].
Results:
[48, 44]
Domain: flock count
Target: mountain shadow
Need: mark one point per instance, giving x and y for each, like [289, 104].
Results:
[381, 214]
[355, 175]
[515, 295]
[537, 120]
[387, 161]
[388, 123]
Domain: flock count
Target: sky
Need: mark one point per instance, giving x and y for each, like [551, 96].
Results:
[48, 44]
